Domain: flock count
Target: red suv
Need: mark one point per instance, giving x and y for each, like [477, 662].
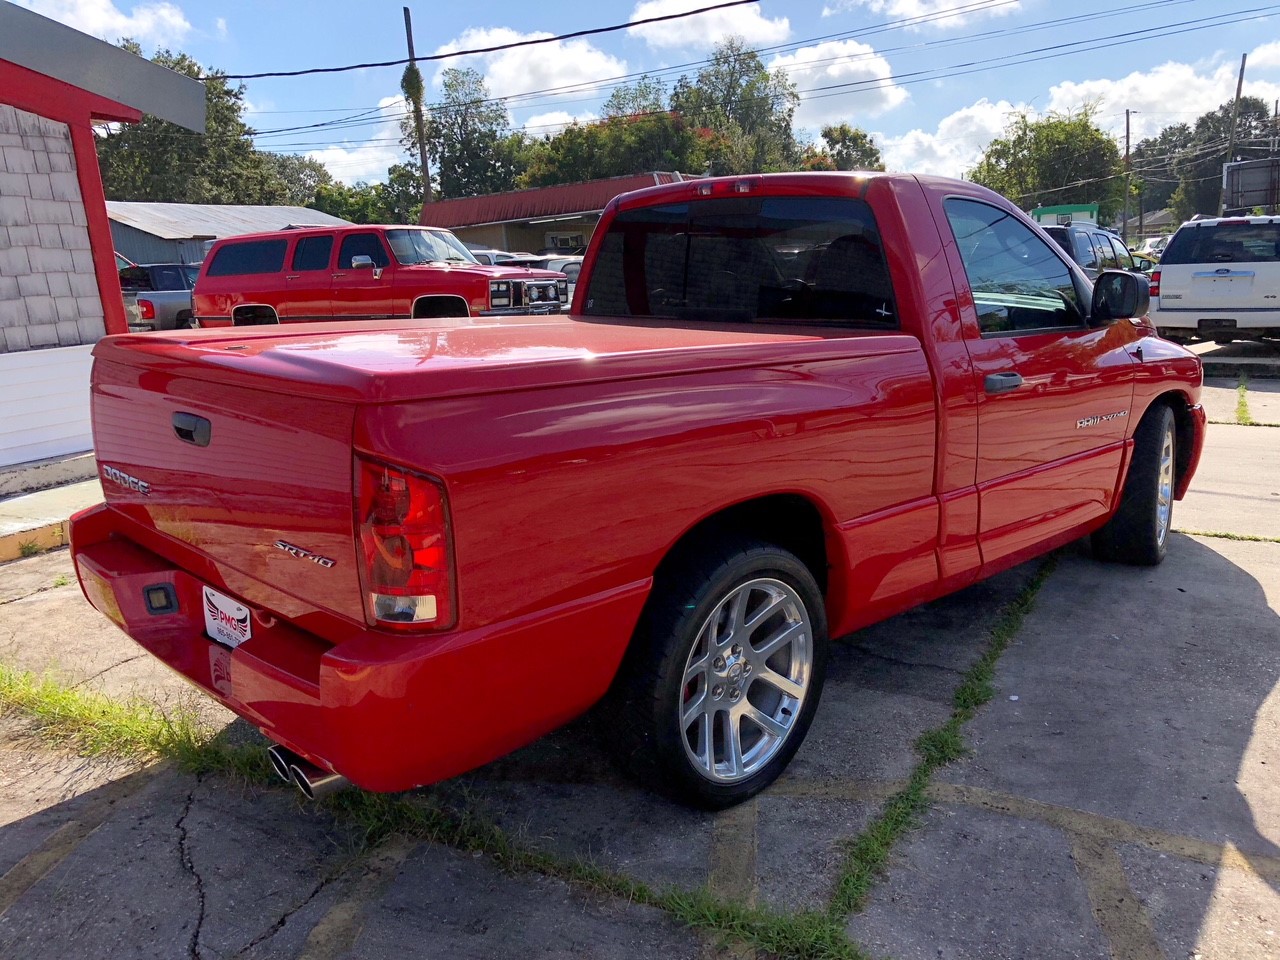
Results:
[361, 273]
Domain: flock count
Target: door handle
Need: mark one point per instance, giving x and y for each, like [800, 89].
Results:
[293, 276]
[1002, 382]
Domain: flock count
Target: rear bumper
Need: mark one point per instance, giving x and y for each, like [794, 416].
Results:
[1191, 322]
[388, 712]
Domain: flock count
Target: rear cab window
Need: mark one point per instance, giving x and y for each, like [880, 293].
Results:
[816, 260]
[250, 256]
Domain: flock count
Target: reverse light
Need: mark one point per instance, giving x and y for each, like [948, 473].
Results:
[146, 310]
[1155, 283]
[406, 556]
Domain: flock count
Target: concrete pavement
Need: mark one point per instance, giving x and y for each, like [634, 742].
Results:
[1119, 800]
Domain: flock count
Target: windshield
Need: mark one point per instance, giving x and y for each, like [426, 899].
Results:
[425, 246]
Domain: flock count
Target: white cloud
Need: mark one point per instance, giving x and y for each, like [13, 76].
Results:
[151, 24]
[352, 161]
[955, 146]
[942, 13]
[220, 27]
[706, 29]
[550, 124]
[1170, 93]
[1267, 55]
[542, 66]
[839, 64]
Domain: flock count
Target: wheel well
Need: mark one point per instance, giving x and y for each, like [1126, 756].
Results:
[425, 308]
[1184, 428]
[253, 315]
[787, 520]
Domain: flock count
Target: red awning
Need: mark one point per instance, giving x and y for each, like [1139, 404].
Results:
[562, 200]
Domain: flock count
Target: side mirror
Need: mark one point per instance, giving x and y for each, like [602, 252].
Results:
[362, 262]
[1119, 295]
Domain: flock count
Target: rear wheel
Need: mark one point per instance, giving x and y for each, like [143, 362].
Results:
[724, 674]
[1138, 532]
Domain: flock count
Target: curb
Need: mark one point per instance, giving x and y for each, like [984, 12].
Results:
[43, 474]
[48, 536]
[1237, 368]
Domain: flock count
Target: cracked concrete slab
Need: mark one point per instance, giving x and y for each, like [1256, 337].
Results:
[974, 885]
[475, 912]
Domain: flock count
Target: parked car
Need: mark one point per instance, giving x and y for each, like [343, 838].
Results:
[1219, 280]
[793, 405]
[569, 265]
[163, 292]
[488, 254]
[1144, 263]
[1154, 246]
[1092, 247]
[365, 272]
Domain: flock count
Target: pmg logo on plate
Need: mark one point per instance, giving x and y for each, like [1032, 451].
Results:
[225, 620]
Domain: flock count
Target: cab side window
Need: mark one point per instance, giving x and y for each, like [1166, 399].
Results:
[362, 245]
[312, 253]
[1018, 282]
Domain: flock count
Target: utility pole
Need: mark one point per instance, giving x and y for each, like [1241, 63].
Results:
[417, 110]
[1124, 224]
[1231, 142]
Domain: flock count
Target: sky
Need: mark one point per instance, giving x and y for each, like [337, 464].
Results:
[933, 81]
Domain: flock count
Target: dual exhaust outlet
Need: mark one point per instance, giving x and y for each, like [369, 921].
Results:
[303, 774]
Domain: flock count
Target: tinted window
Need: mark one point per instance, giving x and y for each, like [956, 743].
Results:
[362, 245]
[191, 271]
[1241, 242]
[168, 278]
[745, 258]
[1086, 254]
[1018, 282]
[253, 256]
[312, 253]
[1124, 260]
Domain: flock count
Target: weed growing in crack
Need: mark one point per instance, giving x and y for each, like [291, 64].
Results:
[867, 854]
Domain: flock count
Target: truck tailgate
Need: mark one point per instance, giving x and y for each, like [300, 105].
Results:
[267, 494]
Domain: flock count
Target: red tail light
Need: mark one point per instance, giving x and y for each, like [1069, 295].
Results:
[1155, 283]
[146, 310]
[405, 549]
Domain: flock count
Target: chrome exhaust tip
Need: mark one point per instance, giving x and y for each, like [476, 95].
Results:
[281, 760]
[315, 783]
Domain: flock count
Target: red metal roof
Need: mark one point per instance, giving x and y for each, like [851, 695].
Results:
[562, 200]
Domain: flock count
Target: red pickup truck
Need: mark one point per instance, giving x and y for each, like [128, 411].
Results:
[784, 407]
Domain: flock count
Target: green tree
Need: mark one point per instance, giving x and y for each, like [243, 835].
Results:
[1058, 159]
[469, 140]
[851, 148]
[619, 146]
[1151, 163]
[1199, 166]
[749, 107]
[299, 177]
[646, 95]
[159, 161]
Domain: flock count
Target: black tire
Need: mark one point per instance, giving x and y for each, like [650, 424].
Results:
[653, 688]
[1138, 532]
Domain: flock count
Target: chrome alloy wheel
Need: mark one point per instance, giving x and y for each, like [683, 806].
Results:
[745, 680]
[1164, 489]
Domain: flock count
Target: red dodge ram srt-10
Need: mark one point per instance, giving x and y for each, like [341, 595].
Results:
[783, 407]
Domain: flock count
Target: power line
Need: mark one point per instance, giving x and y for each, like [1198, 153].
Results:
[493, 49]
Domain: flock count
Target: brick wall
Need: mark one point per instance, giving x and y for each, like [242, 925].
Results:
[48, 290]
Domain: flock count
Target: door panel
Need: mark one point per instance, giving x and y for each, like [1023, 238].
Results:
[364, 294]
[1055, 394]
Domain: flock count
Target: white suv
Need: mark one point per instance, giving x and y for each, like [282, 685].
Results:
[1219, 279]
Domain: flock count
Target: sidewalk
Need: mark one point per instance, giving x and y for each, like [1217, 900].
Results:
[38, 521]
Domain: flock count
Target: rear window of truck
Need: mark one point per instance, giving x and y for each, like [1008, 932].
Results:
[810, 259]
[1224, 243]
[252, 256]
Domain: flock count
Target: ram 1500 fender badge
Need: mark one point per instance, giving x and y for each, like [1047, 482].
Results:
[1101, 418]
[115, 475]
[302, 553]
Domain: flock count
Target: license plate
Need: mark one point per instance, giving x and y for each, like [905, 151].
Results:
[225, 620]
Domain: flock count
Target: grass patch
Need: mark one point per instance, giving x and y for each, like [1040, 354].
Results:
[1221, 535]
[867, 855]
[61, 580]
[95, 725]
[1242, 402]
[28, 548]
